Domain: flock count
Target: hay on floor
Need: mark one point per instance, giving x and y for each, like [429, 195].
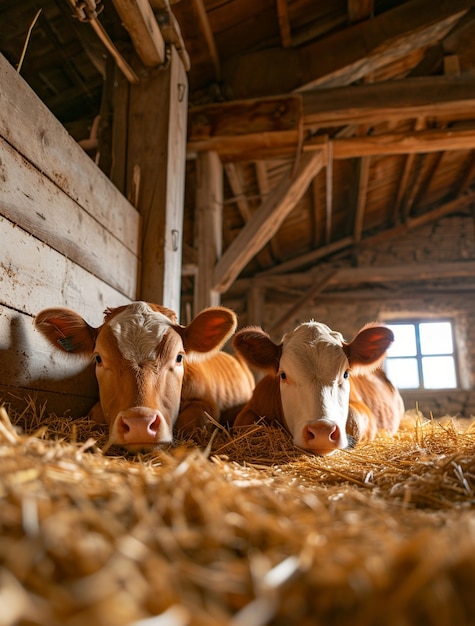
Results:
[242, 531]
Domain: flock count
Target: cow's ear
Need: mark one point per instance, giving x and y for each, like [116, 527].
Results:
[369, 346]
[209, 330]
[66, 330]
[257, 348]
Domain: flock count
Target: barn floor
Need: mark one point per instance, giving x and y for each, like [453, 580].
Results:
[243, 532]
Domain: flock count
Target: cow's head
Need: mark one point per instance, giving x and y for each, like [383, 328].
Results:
[140, 353]
[314, 365]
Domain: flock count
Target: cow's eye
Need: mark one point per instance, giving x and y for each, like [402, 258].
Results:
[98, 359]
[179, 358]
[346, 374]
[283, 376]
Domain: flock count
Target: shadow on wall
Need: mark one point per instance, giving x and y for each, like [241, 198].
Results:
[30, 368]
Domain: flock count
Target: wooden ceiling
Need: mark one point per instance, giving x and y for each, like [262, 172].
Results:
[340, 123]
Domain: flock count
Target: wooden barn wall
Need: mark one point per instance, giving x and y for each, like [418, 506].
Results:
[68, 238]
[450, 239]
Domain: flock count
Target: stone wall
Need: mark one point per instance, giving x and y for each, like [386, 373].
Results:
[450, 239]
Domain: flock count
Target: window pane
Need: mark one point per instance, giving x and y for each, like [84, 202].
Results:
[436, 338]
[403, 373]
[439, 372]
[404, 340]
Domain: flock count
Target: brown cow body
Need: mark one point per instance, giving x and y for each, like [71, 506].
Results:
[153, 373]
[326, 392]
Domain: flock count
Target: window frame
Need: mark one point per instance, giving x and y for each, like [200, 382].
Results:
[416, 322]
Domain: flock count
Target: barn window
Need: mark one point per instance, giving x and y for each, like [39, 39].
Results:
[422, 355]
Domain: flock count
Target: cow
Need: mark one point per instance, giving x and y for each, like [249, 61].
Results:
[327, 393]
[153, 373]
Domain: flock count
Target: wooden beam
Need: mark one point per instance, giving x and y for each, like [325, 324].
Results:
[138, 19]
[348, 55]
[244, 126]
[266, 221]
[209, 216]
[156, 161]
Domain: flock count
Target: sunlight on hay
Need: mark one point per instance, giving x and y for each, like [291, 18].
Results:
[241, 531]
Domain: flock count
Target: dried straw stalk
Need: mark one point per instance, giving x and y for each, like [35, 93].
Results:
[239, 532]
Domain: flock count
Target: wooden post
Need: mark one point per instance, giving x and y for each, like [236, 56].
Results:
[209, 232]
[156, 155]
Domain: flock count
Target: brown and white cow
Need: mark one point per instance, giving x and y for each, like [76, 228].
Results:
[326, 392]
[154, 373]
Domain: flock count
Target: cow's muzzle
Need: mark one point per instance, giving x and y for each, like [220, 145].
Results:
[140, 428]
[323, 437]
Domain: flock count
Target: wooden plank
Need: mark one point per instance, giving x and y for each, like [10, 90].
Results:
[266, 221]
[209, 216]
[34, 277]
[156, 151]
[37, 205]
[42, 140]
[138, 19]
[349, 54]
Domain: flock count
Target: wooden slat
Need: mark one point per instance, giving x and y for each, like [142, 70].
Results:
[37, 205]
[138, 18]
[266, 221]
[34, 277]
[43, 141]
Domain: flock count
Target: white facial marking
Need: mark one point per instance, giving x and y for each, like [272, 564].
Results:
[315, 388]
[138, 330]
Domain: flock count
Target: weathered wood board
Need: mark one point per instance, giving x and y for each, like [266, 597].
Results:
[68, 237]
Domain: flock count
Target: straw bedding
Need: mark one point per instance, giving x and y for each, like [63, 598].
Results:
[240, 532]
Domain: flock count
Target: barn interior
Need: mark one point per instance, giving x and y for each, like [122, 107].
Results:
[291, 160]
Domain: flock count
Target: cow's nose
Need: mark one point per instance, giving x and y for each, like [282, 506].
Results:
[322, 437]
[138, 426]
